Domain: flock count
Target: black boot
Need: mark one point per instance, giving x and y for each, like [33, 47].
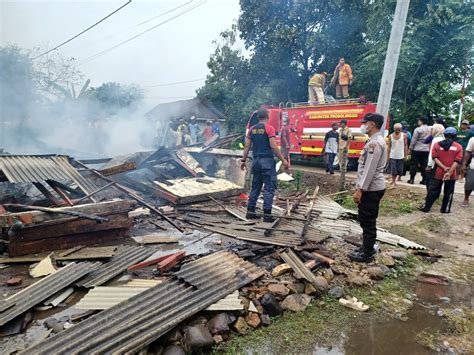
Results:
[267, 216]
[362, 256]
[411, 181]
[251, 214]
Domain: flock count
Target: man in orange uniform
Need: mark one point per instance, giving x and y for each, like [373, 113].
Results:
[342, 79]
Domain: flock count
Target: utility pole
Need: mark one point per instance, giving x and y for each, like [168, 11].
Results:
[391, 59]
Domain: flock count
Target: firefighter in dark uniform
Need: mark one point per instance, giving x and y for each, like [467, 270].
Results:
[261, 139]
[370, 186]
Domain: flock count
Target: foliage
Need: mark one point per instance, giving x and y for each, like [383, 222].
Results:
[287, 40]
[112, 97]
[18, 89]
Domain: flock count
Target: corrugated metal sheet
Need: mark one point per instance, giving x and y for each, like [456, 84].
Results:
[299, 268]
[34, 294]
[228, 303]
[126, 257]
[104, 297]
[143, 283]
[390, 238]
[135, 323]
[30, 168]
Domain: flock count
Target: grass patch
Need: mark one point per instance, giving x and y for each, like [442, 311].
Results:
[433, 224]
[293, 332]
[388, 206]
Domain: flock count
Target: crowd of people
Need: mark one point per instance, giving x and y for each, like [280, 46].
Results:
[442, 155]
[189, 132]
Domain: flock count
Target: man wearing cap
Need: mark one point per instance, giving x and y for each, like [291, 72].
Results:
[315, 88]
[345, 136]
[370, 185]
[261, 139]
[447, 155]
[464, 134]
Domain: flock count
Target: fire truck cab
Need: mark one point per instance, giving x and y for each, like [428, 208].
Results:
[309, 124]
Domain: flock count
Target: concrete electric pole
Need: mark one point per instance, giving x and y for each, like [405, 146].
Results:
[391, 58]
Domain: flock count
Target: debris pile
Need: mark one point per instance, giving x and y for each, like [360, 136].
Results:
[194, 271]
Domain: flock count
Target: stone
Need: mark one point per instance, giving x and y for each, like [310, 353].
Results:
[173, 350]
[271, 305]
[219, 324]
[197, 338]
[281, 269]
[398, 255]
[386, 270]
[218, 339]
[198, 321]
[338, 269]
[245, 301]
[386, 260]
[310, 289]
[336, 292]
[328, 275]
[322, 285]
[375, 273]
[173, 336]
[279, 291]
[253, 320]
[296, 287]
[14, 281]
[296, 303]
[355, 279]
[445, 299]
[241, 326]
[266, 321]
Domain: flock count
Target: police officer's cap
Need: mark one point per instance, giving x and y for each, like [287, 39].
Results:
[373, 117]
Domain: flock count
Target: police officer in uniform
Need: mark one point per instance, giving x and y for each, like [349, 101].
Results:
[370, 186]
[261, 139]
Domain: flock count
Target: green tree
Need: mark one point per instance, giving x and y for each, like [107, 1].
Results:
[111, 97]
[289, 39]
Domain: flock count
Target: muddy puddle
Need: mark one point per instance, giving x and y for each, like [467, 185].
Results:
[380, 334]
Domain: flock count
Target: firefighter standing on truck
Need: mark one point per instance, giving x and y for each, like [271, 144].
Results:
[316, 85]
[370, 186]
[261, 139]
[342, 79]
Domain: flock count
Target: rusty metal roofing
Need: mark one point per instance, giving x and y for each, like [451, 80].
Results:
[126, 257]
[135, 323]
[34, 294]
[39, 168]
[300, 269]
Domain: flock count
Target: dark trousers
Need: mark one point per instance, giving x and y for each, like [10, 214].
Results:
[330, 162]
[418, 160]
[428, 177]
[264, 175]
[435, 190]
[368, 213]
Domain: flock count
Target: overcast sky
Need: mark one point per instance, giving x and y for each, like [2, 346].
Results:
[173, 52]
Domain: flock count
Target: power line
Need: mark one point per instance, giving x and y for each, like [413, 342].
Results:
[110, 36]
[164, 13]
[94, 56]
[87, 29]
[175, 83]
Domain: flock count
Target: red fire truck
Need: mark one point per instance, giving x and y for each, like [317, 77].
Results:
[309, 125]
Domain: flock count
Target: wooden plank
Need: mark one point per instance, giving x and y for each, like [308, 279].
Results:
[19, 247]
[78, 226]
[92, 208]
[158, 239]
[117, 169]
